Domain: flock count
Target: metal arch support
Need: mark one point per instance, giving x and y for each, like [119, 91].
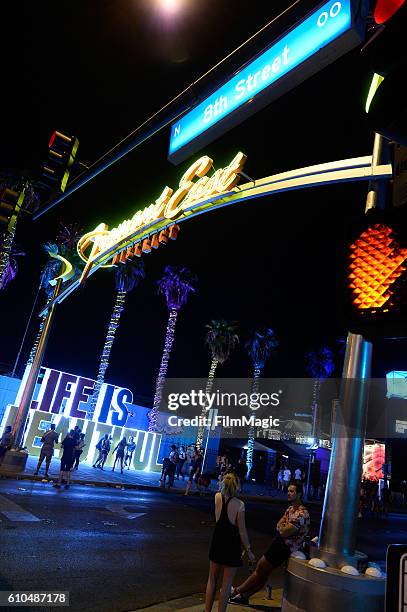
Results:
[330, 173]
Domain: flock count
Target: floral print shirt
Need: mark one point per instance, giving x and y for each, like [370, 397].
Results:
[299, 518]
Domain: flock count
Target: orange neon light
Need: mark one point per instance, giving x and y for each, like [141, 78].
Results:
[377, 261]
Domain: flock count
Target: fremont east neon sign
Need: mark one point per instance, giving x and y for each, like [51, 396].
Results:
[169, 206]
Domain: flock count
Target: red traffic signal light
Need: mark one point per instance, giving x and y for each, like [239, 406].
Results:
[377, 276]
[62, 151]
[385, 9]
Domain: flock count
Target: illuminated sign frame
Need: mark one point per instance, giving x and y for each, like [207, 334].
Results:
[335, 172]
[295, 56]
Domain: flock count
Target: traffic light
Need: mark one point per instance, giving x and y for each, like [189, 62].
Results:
[62, 151]
[386, 56]
[10, 205]
[377, 275]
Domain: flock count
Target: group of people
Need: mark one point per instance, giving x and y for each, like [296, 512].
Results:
[284, 477]
[230, 543]
[174, 466]
[375, 496]
[124, 452]
[72, 449]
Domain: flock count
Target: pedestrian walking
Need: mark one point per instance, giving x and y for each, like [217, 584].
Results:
[172, 465]
[291, 531]
[103, 447]
[76, 433]
[195, 470]
[241, 473]
[182, 457]
[68, 446]
[280, 479]
[298, 476]
[79, 450]
[47, 450]
[6, 442]
[229, 536]
[287, 478]
[131, 447]
[119, 450]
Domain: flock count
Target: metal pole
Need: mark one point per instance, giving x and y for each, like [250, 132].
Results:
[337, 535]
[339, 516]
[26, 399]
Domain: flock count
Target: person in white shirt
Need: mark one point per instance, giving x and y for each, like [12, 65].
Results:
[287, 478]
[297, 474]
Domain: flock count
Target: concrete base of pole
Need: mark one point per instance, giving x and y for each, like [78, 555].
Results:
[336, 560]
[309, 589]
[14, 462]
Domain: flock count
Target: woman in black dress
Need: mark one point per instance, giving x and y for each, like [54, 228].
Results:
[228, 539]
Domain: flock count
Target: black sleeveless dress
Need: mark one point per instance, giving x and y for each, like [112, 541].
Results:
[226, 548]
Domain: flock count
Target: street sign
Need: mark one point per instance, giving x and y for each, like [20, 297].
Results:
[396, 584]
[319, 39]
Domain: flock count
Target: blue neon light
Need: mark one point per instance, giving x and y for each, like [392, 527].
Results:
[318, 30]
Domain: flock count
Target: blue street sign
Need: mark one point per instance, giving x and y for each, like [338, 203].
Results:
[298, 54]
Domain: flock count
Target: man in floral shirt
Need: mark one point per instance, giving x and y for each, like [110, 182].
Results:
[291, 531]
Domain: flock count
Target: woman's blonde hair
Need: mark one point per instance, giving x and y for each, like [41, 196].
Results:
[229, 485]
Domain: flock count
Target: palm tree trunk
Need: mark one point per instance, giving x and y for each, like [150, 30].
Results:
[37, 339]
[250, 439]
[8, 240]
[104, 359]
[169, 340]
[208, 389]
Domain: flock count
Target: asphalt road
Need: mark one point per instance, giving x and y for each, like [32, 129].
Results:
[120, 550]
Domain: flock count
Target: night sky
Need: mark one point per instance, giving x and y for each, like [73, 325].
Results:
[98, 69]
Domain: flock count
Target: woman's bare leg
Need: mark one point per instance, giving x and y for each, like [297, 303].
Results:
[228, 575]
[214, 571]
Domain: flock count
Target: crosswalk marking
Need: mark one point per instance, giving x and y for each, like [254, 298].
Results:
[16, 513]
[123, 513]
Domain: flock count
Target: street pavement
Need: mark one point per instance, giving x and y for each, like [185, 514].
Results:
[121, 550]
[137, 479]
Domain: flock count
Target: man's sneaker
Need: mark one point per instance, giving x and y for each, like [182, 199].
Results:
[238, 599]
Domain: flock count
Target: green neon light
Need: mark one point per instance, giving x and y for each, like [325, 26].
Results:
[377, 79]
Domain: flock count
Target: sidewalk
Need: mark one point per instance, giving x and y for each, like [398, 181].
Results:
[137, 479]
[196, 603]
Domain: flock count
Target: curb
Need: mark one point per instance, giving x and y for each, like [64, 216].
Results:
[145, 487]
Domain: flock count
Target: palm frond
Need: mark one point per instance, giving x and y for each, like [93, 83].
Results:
[261, 346]
[176, 284]
[221, 338]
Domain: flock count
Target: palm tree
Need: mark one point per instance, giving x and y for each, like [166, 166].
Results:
[221, 338]
[65, 245]
[11, 267]
[49, 271]
[30, 202]
[127, 278]
[320, 365]
[175, 285]
[259, 348]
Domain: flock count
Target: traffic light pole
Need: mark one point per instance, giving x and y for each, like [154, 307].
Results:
[312, 588]
[26, 399]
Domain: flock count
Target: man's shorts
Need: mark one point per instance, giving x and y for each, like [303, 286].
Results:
[66, 464]
[278, 552]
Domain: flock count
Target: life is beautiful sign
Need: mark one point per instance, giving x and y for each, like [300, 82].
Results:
[62, 398]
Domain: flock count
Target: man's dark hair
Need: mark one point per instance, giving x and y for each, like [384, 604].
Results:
[298, 488]
[52, 426]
